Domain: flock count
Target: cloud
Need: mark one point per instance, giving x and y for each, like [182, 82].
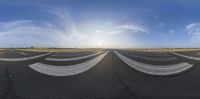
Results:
[190, 2]
[26, 33]
[171, 33]
[167, 36]
[69, 36]
[131, 28]
[41, 33]
[193, 29]
[61, 31]
[125, 28]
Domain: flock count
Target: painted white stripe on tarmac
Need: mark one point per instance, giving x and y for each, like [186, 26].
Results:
[22, 53]
[23, 59]
[155, 69]
[67, 70]
[152, 58]
[185, 56]
[72, 59]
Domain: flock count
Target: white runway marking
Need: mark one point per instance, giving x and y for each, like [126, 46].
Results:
[155, 69]
[153, 58]
[185, 56]
[72, 59]
[22, 53]
[23, 59]
[67, 70]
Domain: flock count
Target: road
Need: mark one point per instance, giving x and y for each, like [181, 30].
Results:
[111, 78]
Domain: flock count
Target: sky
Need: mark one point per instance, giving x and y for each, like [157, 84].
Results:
[100, 23]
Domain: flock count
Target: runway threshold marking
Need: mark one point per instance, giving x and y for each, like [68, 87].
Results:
[72, 59]
[155, 69]
[152, 58]
[185, 56]
[69, 70]
[23, 59]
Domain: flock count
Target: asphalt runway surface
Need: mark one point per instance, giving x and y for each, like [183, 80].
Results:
[17, 54]
[71, 54]
[100, 75]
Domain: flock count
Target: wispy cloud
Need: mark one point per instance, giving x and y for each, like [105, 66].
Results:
[62, 31]
[26, 33]
[167, 36]
[131, 28]
[125, 28]
[193, 29]
[40, 33]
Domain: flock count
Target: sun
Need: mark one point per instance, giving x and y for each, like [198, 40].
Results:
[99, 43]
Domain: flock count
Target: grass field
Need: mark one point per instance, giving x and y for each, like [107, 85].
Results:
[58, 50]
[162, 49]
[98, 49]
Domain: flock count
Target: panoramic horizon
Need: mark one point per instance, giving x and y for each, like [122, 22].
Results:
[100, 24]
[99, 49]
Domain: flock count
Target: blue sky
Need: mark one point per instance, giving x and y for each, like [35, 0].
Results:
[100, 23]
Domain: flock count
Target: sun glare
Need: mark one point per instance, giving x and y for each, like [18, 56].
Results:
[100, 43]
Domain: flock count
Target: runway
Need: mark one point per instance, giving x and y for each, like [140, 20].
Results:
[102, 75]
